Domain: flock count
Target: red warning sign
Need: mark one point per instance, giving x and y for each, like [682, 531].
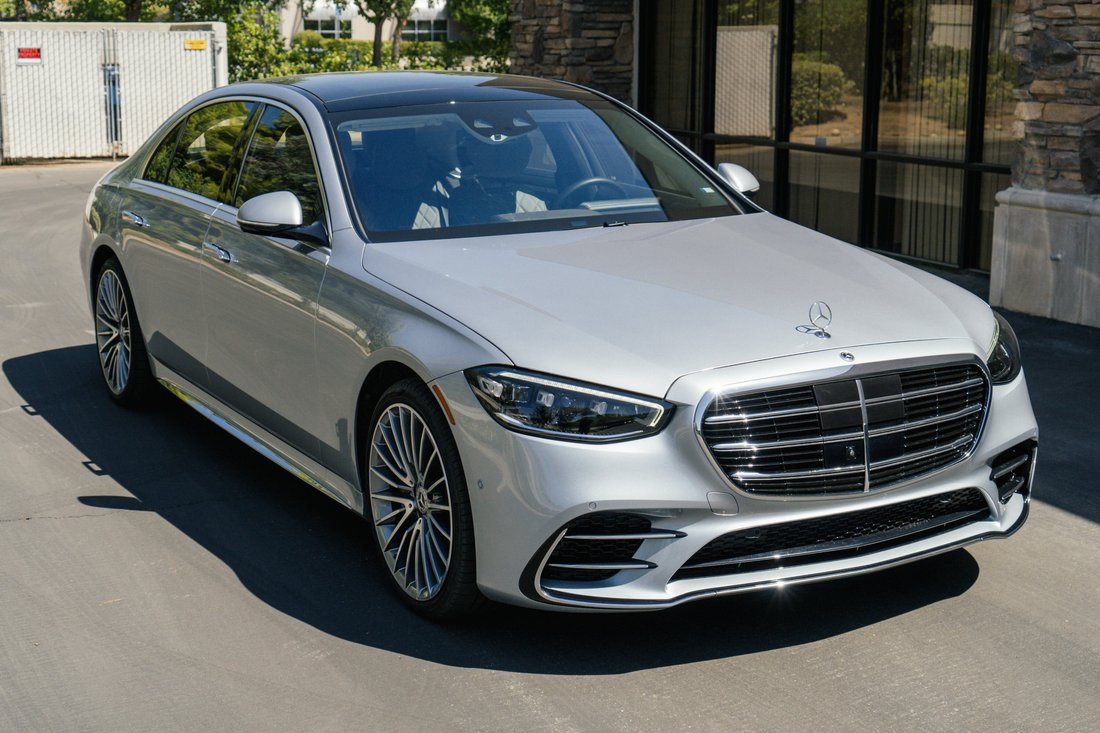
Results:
[28, 55]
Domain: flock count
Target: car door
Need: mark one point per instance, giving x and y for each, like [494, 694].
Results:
[165, 214]
[260, 292]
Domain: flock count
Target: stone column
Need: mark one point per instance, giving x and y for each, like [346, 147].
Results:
[590, 42]
[1046, 231]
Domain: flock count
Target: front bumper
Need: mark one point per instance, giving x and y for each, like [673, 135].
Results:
[525, 491]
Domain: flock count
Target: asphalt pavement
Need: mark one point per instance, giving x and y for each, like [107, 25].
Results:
[157, 575]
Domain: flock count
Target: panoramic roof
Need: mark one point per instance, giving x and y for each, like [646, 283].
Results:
[375, 89]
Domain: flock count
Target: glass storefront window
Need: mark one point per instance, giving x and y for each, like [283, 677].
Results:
[830, 43]
[925, 64]
[673, 66]
[825, 193]
[745, 69]
[714, 73]
[1000, 105]
[918, 210]
[991, 184]
[760, 160]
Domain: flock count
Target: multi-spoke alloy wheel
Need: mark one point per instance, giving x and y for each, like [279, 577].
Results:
[112, 333]
[418, 503]
[122, 358]
[410, 501]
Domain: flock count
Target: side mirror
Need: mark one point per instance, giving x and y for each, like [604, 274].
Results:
[270, 213]
[279, 214]
[739, 177]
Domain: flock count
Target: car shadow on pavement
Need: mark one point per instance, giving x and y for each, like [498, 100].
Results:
[299, 552]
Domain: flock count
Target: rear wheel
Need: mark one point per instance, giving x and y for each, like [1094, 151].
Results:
[123, 362]
[419, 505]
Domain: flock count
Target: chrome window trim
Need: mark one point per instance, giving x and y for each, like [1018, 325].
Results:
[194, 197]
[849, 371]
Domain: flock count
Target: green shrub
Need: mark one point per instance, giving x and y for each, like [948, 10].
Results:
[947, 97]
[816, 87]
[309, 39]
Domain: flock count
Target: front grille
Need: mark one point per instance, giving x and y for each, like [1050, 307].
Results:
[848, 435]
[837, 536]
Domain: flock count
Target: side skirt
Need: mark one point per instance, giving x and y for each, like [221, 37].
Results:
[267, 445]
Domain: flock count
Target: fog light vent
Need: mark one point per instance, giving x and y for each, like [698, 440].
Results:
[1011, 470]
[597, 546]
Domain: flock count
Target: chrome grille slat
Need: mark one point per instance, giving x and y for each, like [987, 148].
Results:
[923, 422]
[795, 443]
[977, 381]
[790, 412]
[859, 434]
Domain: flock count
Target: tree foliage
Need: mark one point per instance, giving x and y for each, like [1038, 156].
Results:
[255, 43]
[486, 25]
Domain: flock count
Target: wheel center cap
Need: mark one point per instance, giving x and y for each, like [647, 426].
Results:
[422, 499]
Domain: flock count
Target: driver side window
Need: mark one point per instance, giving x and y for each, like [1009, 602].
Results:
[279, 159]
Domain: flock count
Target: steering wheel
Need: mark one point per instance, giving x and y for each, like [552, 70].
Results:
[584, 183]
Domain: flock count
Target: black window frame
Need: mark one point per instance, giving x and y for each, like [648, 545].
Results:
[702, 139]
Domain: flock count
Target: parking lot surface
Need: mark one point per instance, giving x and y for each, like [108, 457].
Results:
[157, 575]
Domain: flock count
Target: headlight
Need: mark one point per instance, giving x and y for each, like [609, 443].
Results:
[1004, 354]
[558, 408]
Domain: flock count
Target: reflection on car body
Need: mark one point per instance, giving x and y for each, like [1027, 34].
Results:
[550, 355]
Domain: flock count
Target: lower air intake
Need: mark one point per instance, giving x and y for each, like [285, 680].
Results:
[836, 536]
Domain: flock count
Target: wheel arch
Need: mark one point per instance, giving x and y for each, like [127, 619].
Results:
[387, 372]
[102, 253]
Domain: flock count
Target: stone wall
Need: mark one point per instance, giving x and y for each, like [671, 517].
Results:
[1046, 228]
[1058, 116]
[590, 42]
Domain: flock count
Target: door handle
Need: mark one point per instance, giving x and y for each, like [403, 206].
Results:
[137, 220]
[223, 254]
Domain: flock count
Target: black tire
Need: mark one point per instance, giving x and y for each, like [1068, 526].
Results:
[410, 498]
[127, 376]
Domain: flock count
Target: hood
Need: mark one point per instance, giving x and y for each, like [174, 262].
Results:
[636, 307]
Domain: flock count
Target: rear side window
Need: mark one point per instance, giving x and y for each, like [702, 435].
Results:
[157, 170]
[205, 150]
[279, 159]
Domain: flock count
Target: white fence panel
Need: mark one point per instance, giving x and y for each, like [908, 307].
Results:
[745, 80]
[53, 107]
[186, 65]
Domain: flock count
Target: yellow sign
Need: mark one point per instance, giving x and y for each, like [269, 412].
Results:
[194, 44]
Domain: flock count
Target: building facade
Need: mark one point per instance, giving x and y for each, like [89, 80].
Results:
[964, 133]
[429, 21]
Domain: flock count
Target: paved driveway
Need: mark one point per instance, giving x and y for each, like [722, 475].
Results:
[154, 574]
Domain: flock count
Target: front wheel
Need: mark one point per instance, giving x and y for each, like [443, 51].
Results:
[122, 359]
[419, 505]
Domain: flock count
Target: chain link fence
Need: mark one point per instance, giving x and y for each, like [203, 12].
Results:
[81, 90]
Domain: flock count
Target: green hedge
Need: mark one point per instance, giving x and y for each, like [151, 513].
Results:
[947, 97]
[816, 87]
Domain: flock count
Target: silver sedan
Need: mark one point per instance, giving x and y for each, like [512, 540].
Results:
[549, 354]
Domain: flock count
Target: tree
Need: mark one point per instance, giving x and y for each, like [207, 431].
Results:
[377, 12]
[485, 20]
[255, 42]
[402, 9]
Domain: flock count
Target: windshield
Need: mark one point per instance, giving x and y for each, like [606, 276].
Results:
[470, 169]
